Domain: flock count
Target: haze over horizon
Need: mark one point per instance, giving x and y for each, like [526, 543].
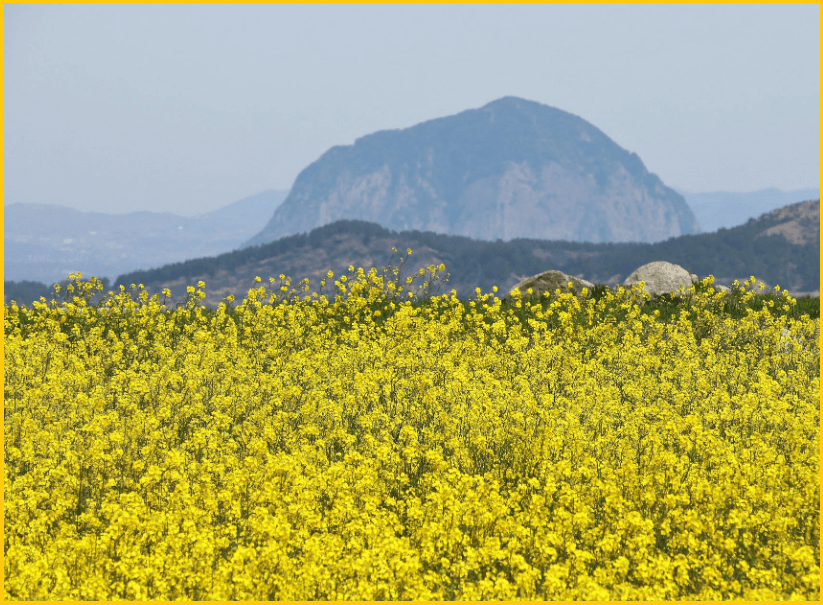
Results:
[189, 108]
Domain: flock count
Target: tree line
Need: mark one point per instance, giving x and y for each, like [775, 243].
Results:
[733, 253]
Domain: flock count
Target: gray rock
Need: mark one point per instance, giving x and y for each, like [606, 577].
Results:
[661, 278]
[549, 281]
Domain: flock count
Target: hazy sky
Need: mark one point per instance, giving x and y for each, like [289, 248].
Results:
[187, 108]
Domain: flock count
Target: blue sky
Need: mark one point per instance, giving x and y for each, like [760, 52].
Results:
[188, 108]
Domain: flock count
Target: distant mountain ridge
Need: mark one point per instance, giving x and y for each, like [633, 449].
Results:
[510, 169]
[764, 247]
[729, 209]
[45, 243]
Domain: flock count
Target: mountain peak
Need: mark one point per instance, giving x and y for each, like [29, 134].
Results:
[511, 103]
[513, 168]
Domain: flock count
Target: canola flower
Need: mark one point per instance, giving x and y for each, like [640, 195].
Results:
[367, 447]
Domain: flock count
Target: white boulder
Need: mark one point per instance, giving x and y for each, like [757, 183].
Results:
[661, 278]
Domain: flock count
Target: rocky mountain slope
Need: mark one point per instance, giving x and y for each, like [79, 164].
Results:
[47, 242]
[729, 209]
[797, 223]
[511, 169]
[780, 248]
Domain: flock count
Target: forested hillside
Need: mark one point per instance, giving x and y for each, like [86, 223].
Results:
[765, 247]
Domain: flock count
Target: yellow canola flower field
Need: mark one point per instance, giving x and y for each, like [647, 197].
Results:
[367, 447]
